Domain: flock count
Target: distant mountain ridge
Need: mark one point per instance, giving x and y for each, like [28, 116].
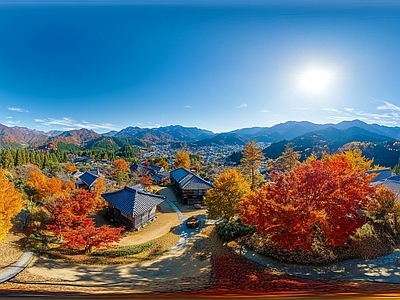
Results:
[25, 137]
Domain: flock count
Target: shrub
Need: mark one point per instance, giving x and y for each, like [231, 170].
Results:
[370, 241]
[233, 230]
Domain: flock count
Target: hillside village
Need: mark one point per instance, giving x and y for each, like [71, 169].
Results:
[147, 200]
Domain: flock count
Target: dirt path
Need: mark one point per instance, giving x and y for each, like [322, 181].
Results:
[176, 270]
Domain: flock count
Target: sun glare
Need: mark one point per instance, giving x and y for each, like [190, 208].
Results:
[315, 81]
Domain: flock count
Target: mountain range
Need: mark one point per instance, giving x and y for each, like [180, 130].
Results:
[297, 132]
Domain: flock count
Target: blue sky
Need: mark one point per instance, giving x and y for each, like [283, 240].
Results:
[106, 66]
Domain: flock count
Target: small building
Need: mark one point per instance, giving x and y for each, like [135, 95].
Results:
[87, 180]
[156, 173]
[190, 187]
[133, 206]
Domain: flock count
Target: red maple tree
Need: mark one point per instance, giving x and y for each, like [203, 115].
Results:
[322, 199]
[77, 230]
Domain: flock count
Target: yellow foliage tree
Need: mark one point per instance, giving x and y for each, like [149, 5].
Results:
[356, 158]
[290, 158]
[163, 163]
[10, 204]
[251, 162]
[182, 160]
[100, 188]
[223, 199]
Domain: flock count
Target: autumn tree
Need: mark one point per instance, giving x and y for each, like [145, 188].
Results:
[222, 200]
[355, 156]
[384, 203]
[317, 199]
[10, 204]
[70, 168]
[121, 168]
[163, 163]
[182, 160]
[44, 187]
[290, 158]
[99, 189]
[251, 162]
[71, 222]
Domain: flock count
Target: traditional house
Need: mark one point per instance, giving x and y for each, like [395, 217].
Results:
[133, 206]
[146, 170]
[87, 180]
[160, 178]
[190, 187]
[157, 173]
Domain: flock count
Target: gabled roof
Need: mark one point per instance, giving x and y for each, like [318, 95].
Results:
[133, 201]
[88, 178]
[190, 181]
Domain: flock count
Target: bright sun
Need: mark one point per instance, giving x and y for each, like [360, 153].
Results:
[315, 81]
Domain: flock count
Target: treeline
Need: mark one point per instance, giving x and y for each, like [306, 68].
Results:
[12, 157]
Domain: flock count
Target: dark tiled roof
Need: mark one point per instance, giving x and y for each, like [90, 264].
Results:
[157, 168]
[394, 178]
[88, 178]
[133, 201]
[381, 174]
[190, 181]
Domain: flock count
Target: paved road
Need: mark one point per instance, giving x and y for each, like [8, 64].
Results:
[383, 269]
[12, 270]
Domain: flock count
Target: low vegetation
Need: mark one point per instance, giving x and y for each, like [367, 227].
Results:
[116, 255]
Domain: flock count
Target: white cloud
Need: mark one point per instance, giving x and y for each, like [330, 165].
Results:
[68, 124]
[188, 106]
[332, 110]
[17, 109]
[388, 118]
[9, 117]
[388, 106]
[242, 105]
[264, 111]
[13, 123]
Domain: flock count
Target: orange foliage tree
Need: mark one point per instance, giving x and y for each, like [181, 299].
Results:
[70, 221]
[71, 168]
[45, 188]
[384, 204]
[121, 168]
[10, 204]
[317, 199]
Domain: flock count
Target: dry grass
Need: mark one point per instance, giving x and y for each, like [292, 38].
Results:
[10, 249]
